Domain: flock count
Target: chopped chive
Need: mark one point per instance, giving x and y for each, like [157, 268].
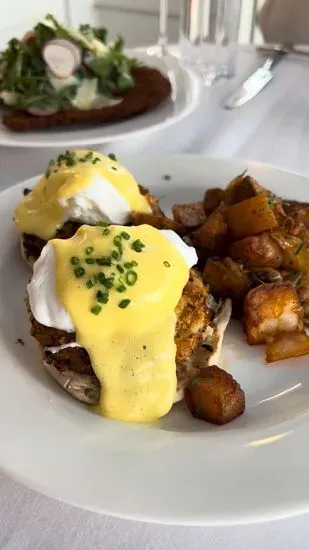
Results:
[299, 248]
[166, 177]
[90, 260]
[106, 231]
[101, 278]
[114, 168]
[102, 297]
[112, 157]
[104, 260]
[79, 272]
[96, 309]
[128, 265]
[89, 250]
[138, 245]
[108, 283]
[117, 240]
[131, 277]
[121, 288]
[90, 284]
[102, 224]
[167, 264]
[134, 263]
[89, 155]
[124, 303]
[75, 260]
[125, 235]
[116, 255]
[119, 268]
[97, 159]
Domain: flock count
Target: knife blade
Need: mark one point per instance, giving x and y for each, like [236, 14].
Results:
[256, 82]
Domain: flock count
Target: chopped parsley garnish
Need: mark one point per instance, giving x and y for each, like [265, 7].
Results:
[79, 272]
[124, 303]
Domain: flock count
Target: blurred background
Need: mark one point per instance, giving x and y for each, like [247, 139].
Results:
[136, 20]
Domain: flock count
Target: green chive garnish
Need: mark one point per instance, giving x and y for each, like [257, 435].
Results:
[114, 168]
[119, 268]
[134, 263]
[299, 248]
[79, 272]
[117, 240]
[108, 283]
[167, 264]
[88, 156]
[138, 245]
[124, 303]
[96, 309]
[112, 157]
[75, 260]
[104, 260]
[97, 159]
[90, 260]
[131, 277]
[89, 250]
[90, 284]
[102, 224]
[128, 265]
[116, 255]
[125, 235]
[106, 231]
[121, 288]
[101, 278]
[102, 297]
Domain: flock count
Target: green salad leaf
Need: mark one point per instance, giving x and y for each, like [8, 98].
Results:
[24, 74]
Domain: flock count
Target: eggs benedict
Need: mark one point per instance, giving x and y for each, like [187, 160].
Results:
[79, 187]
[122, 319]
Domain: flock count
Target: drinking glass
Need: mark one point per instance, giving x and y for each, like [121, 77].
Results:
[208, 36]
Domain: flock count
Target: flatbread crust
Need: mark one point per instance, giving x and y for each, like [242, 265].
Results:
[151, 89]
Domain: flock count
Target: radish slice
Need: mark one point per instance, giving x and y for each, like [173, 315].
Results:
[29, 37]
[42, 111]
[62, 57]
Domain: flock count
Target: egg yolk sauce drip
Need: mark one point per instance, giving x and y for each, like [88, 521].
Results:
[43, 210]
[120, 286]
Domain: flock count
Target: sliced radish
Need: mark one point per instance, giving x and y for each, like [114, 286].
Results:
[62, 57]
[42, 111]
[29, 37]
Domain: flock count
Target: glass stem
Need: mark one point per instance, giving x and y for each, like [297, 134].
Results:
[163, 18]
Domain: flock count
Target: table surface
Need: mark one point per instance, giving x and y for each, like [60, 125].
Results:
[273, 128]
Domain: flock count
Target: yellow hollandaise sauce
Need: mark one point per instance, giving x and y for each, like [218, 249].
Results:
[120, 286]
[44, 209]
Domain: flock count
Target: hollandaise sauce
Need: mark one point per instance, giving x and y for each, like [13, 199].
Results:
[46, 208]
[120, 286]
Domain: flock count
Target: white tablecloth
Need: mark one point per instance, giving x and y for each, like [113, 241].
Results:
[272, 128]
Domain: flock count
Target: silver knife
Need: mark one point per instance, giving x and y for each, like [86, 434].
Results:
[256, 82]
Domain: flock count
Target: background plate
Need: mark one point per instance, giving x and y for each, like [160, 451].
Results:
[184, 99]
[179, 470]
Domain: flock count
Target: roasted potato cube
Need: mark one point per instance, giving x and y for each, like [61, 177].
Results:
[226, 278]
[241, 188]
[251, 217]
[270, 310]
[288, 346]
[212, 235]
[215, 396]
[295, 253]
[257, 251]
[212, 199]
[191, 214]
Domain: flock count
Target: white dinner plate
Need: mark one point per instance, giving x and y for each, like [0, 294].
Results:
[186, 89]
[178, 470]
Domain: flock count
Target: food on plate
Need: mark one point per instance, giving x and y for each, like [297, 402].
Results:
[250, 216]
[59, 76]
[270, 310]
[79, 187]
[226, 278]
[190, 215]
[123, 320]
[215, 396]
[287, 346]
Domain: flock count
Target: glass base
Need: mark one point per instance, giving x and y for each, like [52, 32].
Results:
[213, 62]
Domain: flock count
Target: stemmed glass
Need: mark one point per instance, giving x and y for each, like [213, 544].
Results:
[160, 49]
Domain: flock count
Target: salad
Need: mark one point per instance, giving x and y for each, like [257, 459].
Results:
[53, 68]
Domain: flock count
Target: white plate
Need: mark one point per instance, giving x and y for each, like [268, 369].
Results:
[180, 470]
[184, 99]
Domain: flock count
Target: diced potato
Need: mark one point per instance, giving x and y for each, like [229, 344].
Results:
[212, 235]
[160, 222]
[241, 188]
[288, 346]
[270, 310]
[295, 253]
[191, 214]
[214, 396]
[257, 251]
[212, 198]
[226, 278]
[251, 217]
